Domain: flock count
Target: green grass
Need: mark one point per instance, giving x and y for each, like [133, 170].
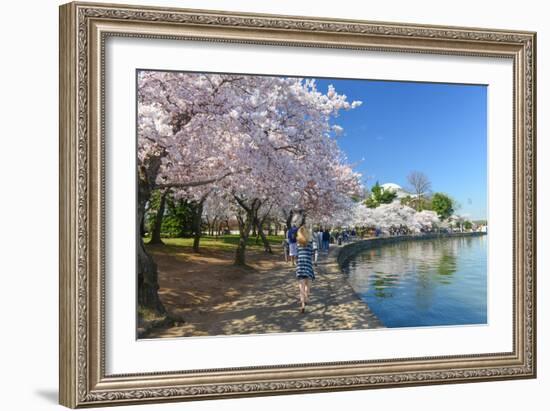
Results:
[147, 314]
[222, 243]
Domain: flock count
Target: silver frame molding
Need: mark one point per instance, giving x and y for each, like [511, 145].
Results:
[83, 30]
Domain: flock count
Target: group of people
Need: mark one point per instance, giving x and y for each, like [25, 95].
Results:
[399, 230]
[320, 241]
[344, 236]
[323, 238]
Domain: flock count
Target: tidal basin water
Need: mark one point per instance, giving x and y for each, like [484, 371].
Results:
[416, 283]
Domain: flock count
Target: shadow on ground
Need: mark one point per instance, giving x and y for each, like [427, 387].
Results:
[256, 300]
[52, 396]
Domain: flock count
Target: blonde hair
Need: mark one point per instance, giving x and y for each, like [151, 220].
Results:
[303, 236]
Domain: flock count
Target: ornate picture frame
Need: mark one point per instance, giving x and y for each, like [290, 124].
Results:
[84, 28]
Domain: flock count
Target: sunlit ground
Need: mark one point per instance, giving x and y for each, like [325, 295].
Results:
[214, 297]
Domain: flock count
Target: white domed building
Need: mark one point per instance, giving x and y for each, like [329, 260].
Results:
[397, 189]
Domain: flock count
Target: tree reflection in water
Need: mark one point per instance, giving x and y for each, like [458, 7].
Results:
[424, 282]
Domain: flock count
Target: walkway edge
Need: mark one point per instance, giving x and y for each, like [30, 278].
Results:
[343, 253]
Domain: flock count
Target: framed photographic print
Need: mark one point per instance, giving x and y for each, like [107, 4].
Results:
[260, 204]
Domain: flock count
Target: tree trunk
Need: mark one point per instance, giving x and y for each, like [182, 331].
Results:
[303, 218]
[244, 230]
[148, 281]
[155, 233]
[142, 228]
[267, 246]
[208, 225]
[245, 226]
[213, 226]
[259, 223]
[255, 231]
[197, 220]
[147, 269]
[418, 201]
[289, 220]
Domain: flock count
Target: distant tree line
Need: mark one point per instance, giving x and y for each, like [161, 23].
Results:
[422, 198]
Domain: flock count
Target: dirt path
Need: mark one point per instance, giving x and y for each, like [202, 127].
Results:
[258, 300]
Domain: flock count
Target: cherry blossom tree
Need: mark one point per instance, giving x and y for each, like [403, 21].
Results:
[394, 214]
[363, 216]
[186, 125]
[217, 213]
[286, 138]
[425, 220]
[198, 197]
[254, 138]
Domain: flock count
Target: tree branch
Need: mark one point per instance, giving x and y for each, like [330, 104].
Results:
[200, 182]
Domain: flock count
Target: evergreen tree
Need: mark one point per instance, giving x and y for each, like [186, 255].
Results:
[379, 196]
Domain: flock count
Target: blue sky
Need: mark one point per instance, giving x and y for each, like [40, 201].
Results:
[438, 129]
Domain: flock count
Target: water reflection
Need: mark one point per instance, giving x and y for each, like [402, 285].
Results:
[383, 283]
[425, 282]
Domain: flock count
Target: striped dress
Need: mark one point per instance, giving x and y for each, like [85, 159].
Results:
[304, 265]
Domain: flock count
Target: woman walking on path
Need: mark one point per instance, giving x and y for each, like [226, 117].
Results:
[304, 266]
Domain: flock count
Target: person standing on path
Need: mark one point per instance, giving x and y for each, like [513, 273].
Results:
[292, 246]
[320, 239]
[316, 246]
[286, 249]
[326, 239]
[304, 266]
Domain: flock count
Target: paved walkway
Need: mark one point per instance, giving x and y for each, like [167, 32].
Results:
[271, 305]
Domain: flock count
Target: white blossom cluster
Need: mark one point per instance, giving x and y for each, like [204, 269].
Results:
[249, 138]
[394, 214]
